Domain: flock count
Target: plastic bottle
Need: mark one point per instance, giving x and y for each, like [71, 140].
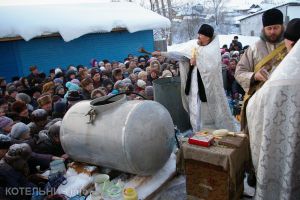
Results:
[130, 194]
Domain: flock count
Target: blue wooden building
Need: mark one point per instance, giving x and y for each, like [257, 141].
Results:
[50, 52]
[72, 39]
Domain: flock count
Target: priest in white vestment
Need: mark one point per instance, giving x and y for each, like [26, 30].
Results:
[204, 99]
[273, 115]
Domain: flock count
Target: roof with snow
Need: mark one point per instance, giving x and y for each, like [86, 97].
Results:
[73, 18]
[269, 7]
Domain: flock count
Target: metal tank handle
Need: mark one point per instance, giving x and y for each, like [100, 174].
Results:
[92, 112]
[92, 115]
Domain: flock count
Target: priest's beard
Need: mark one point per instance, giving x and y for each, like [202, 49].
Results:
[273, 38]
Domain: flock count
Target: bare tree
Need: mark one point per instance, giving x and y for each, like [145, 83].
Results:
[170, 9]
[217, 6]
[157, 7]
[163, 8]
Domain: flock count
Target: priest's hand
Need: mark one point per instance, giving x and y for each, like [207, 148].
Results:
[156, 53]
[262, 75]
[193, 61]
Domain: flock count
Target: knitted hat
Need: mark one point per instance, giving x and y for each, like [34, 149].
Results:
[206, 30]
[107, 82]
[44, 99]
[39, 115]
[70, 72]
[18, 130]
[5, 141]
[54, 129]
[166, 73]
[137, 70]
[23, 97]
[74, 96]
[58, 88]
[292, 31]
[58, 80]
[149, 91]
[18, 151]
[11, 89]
[272, 17]
[18, 106]
[76, 81]
[48, 86]
[72, 86]
[85, 82]
[140, 83]
[5, 121]
[57, 70]
[127, 81]
[60, 107]
[95, 71]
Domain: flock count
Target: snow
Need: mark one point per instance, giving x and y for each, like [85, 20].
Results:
[155, 181]
[73, 18]
[224, 39]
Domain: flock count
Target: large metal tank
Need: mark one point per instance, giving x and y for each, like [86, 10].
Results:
[130, 136]
[167, 91]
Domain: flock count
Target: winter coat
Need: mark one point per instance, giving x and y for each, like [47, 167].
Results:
[245, 68]
[11, 178]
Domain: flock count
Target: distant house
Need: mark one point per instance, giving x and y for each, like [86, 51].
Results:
[251, 25]
[51, 33]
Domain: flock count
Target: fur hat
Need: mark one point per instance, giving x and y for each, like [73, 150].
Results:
[97, 91]
[44, 99]
[18, 130]
[292, 31]
[23, 97]
[85, 82]
[206, 30]
[72, 86]
[116, 71]
[18, 106]
[5, 121]
[272, 17]
[47, 87]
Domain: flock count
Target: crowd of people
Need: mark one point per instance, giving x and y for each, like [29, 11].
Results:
[32, 107]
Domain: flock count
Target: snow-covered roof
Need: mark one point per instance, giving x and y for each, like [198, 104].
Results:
[269, 6]
[73, 18]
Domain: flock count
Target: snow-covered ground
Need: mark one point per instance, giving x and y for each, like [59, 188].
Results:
[224, 39]
[73, 18]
